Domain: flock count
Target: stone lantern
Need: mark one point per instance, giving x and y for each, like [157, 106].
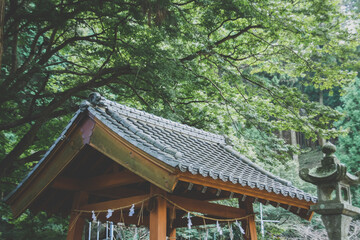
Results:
[334, 197]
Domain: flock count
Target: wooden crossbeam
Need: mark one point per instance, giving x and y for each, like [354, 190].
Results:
[100, 182]
[208, 208]
[114, 204]
[112, 180]
[67, 183]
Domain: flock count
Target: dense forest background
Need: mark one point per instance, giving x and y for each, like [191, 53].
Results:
[278, 77]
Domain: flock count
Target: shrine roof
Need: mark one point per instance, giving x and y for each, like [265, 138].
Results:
[187, 148]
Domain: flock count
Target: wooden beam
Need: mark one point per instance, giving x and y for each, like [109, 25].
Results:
[158, 216]
[238, 188]
[119, 192]
[100, 182]
[112, 180]
[132, 158]
[208, 208]
[248, 224]
[113, 204]
[76, 223]
[67, 183]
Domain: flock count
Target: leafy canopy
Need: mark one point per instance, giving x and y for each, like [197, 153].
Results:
[210, 64]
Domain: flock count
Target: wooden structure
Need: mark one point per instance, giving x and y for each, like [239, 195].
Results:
[111, 156]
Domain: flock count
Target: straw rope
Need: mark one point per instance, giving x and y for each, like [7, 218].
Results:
[172, 203]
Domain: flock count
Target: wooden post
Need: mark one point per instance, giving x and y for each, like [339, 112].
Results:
[76, 224]
[249, 224]
[158, 215]
[172, 235]
[171, 229]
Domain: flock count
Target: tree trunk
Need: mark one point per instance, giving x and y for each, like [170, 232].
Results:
[321, 101]
[2, 13]
[293, 142]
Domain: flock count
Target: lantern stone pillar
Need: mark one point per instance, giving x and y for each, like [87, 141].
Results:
[334, 197]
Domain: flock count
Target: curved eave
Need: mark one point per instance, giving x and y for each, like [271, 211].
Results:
[292, 202]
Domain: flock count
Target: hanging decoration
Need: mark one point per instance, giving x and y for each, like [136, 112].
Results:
[132, 210]
[89, 230]
[239, 226]
[93, 216]
[189, 221]
[109, 213]
[219, 228]
[98, 231]
[109, 231]
[136, 234]
[231, 231]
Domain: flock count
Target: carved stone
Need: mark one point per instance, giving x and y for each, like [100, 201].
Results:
[334, 196]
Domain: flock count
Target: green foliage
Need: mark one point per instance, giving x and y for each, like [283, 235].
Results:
[349, 150]
[29, 226]
[231, 67]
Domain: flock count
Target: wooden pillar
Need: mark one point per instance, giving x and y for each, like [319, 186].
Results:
[171, 230]
[172, 235]
[158, 221]
[249, 224]
[76, 224]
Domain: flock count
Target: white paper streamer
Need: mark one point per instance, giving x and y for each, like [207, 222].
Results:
[239, 226]
[136, 234]
[93, 216]
[189, 221]
[207, 234]
[219, 228]
[231, 232]
[132, 210]
[109, 214]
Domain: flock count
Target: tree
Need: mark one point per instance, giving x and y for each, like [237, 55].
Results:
[204, 63]
[349, 145]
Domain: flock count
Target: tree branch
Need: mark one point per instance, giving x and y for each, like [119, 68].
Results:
[227, 38]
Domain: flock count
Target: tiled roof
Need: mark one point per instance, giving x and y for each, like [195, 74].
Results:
[187, 148]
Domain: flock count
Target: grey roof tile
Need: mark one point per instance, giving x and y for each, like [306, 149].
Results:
[187, 148]
[190, 149]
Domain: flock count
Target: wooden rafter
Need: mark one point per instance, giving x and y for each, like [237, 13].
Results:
[253, 192]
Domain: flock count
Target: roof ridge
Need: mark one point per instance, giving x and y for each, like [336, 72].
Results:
[98, 100]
